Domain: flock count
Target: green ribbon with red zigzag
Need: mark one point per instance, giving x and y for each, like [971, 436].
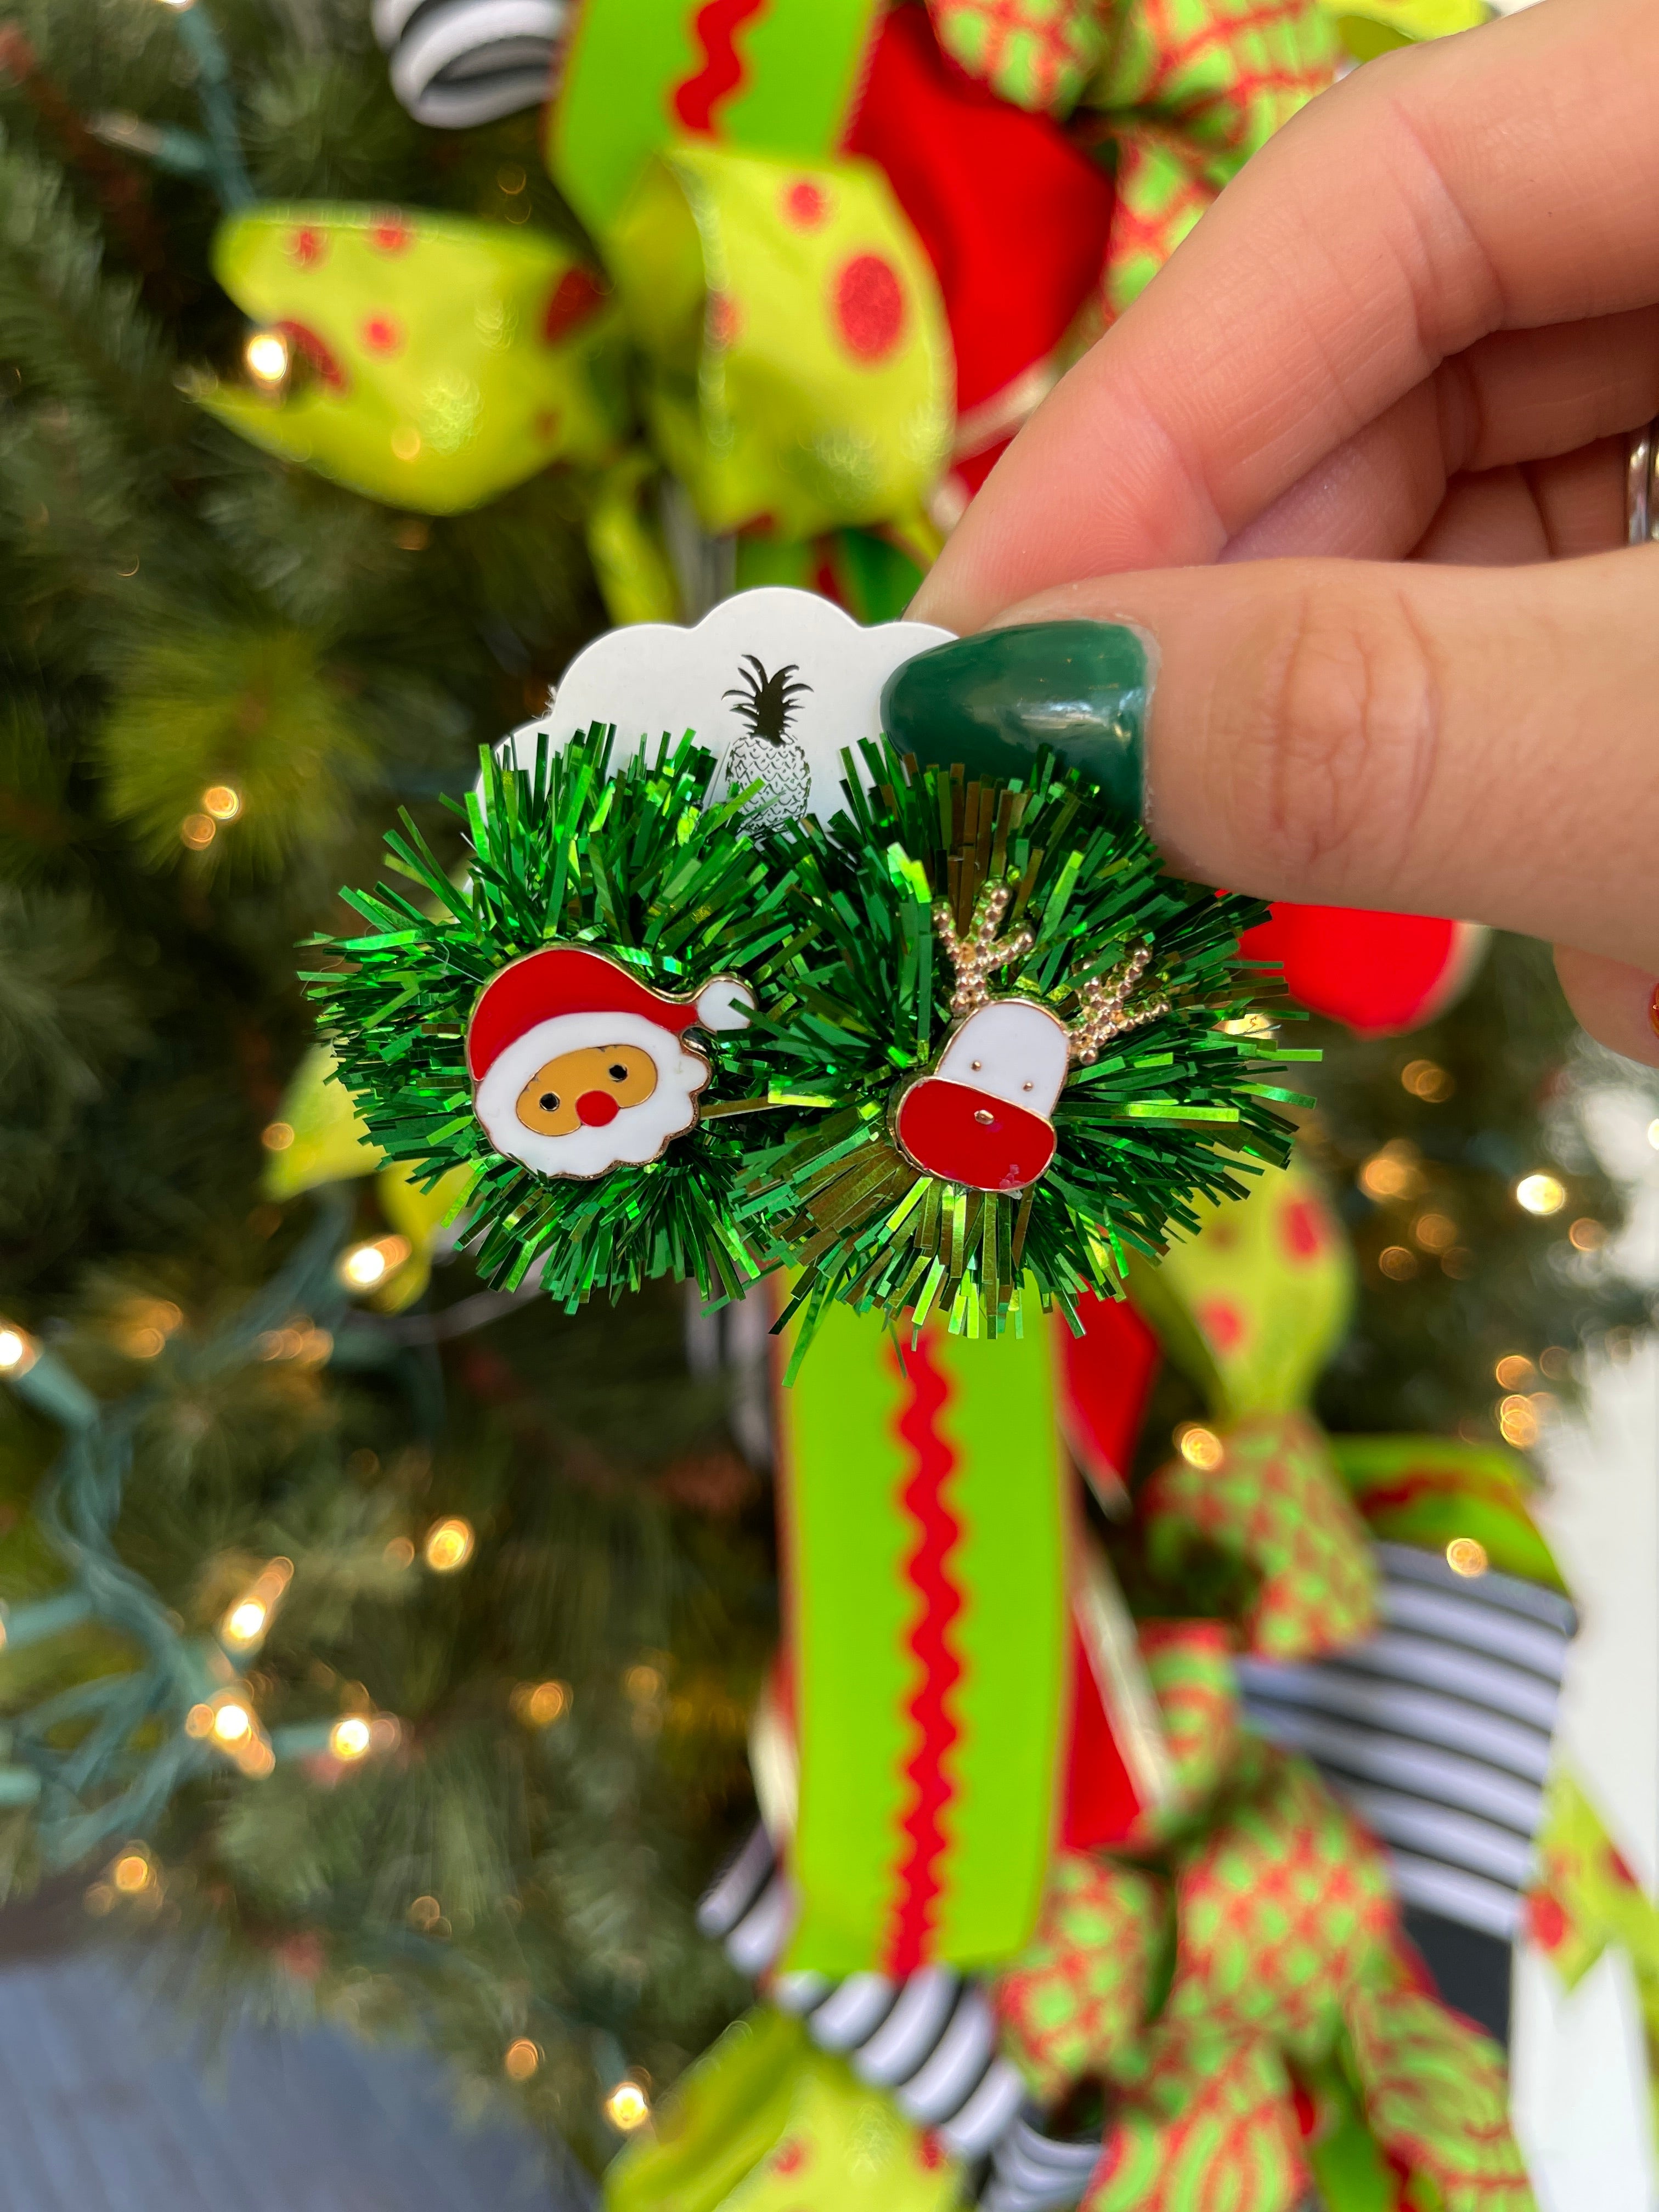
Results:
[926, 1517]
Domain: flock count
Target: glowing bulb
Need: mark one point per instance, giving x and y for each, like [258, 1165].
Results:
[365, 1266]
[1540, 1193]
[350, 1738]
[1514, 1371]
[267, 357]
[1426, 1081]
[1587, 1235]
[522, 2059]
[406, 443]
[248, 1619]
[541, 1703]
[399, 1552]
[1517, 1422]
[223, 801]
[627, 2107]
[1465, 1556]
[449, 1545]
[17, 1351]
[198, 1721]
[1200, 1447]
[232, 1723]
[1394, 1172]
[276, 1136]
[1653, 1135]
[131, 1872]
[198, 831]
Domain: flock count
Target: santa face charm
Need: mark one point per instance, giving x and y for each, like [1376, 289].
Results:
[579, 1067]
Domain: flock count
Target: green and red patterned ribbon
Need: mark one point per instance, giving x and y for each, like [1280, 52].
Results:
[764, 76]
[927, 1526]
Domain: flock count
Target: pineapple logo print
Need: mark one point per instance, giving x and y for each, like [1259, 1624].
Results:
[767, 754]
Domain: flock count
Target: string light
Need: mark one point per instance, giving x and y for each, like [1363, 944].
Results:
[223, 801]
[1434, 1232]
[350, 1738]
[1514, 1371]
[449, 1545]
[245, 1624]
[627, 2107]
[1540, 1193]
[276, 1136]
[232, 1723]
[267, 355]
[1587, 1235]
[1517, 1421]
[406, 443]
[399, 1552]
[538, 1705]
[1397, 1263]
[145, 1325]
[132, 1872]
[198, 831]
[1466, 1556]
[367, 1266]
[1427, 1080]
[1200, 1447]
[522, 2059]
[18, 1351]
[1394, 1172]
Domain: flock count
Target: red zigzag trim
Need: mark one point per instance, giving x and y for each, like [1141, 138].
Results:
[928, 1570]
[716, 26]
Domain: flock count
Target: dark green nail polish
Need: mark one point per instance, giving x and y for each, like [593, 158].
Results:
[992, 700]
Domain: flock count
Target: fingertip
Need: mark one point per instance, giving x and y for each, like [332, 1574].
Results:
[1615, 1004]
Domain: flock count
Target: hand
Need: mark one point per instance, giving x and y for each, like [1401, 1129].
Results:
[1356, 428]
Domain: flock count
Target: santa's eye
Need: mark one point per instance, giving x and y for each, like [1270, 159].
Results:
[549, 1102]
[616, 1072]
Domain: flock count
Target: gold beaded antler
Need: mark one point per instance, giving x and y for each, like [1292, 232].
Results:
[976, 956]
[1109, 1006]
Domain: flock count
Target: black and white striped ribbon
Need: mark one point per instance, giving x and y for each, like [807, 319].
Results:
[1436, 1730]
[456, 63]
[929, 2039]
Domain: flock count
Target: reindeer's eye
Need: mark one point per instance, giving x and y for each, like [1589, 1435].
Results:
[549, 1102]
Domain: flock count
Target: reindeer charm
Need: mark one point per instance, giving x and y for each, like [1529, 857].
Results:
[981, 1116]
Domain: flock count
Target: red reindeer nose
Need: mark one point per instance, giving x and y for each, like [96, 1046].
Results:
[597, 1107]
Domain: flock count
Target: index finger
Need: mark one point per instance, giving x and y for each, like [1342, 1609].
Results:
[1505, 179]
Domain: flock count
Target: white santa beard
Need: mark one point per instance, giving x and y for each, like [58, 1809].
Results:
[638, 1134]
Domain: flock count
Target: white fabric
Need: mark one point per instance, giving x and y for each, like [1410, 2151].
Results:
[638, 1134]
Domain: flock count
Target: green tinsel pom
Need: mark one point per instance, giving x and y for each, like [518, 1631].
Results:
[1175, 1109]
[636, 867]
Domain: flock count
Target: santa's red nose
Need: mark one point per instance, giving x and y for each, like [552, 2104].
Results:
[596, 1108]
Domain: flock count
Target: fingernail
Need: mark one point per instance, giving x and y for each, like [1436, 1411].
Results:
[992, 700]
[1653, 1011]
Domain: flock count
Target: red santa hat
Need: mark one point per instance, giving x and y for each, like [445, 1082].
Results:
[566, 979]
